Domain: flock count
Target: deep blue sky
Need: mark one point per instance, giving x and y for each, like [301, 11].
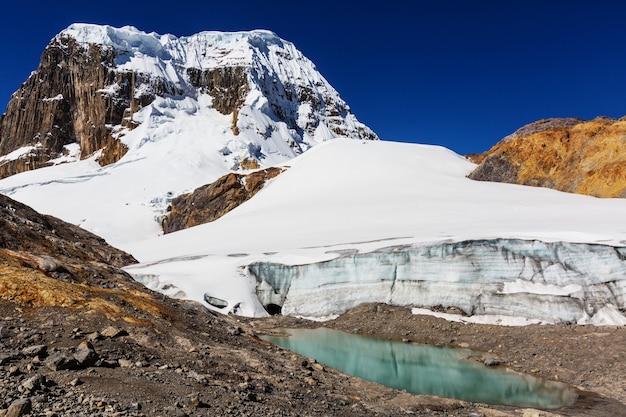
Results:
[462, 74]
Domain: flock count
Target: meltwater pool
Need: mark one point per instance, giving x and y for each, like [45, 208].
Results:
[423, 369]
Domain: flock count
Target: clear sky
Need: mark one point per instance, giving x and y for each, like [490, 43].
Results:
[457, 73]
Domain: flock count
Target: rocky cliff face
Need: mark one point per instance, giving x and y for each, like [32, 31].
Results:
[572, 155]
[212, 201]
[62, 103]
[93, 80]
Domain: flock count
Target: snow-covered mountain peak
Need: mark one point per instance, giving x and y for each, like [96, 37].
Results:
[102, 34]
[250, 98]
[206, 49]
[131, 35]
[170, 57]
[280, 104]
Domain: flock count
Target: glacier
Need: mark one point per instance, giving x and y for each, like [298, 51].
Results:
[546, 281]
[400, 224]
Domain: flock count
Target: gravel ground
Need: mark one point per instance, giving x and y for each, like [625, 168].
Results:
[62, 362]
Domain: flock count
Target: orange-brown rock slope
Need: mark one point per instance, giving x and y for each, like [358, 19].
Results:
[572, 155]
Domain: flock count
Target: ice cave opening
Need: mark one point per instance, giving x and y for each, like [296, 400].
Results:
[273, 309]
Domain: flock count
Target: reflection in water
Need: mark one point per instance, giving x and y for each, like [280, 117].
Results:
[423, 369]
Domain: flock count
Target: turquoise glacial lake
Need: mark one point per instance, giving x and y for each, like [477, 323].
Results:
[423, 369]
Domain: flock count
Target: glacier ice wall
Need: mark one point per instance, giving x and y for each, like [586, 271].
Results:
[547, 281]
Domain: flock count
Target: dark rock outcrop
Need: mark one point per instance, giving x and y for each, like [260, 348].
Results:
[212, 201]
[227, 85]
[572, 155]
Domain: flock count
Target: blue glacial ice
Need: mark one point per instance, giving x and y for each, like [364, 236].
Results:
[546, 281]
